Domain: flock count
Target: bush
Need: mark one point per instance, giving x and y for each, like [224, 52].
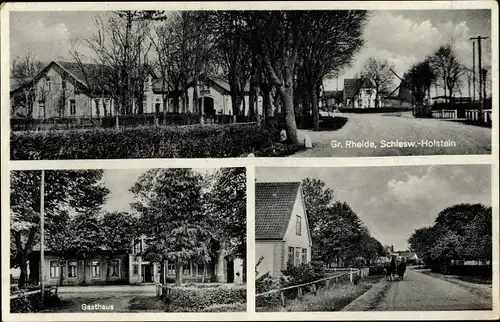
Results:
[303, 273]
[374, 110]
[183, 299]
[31, 303]
[266, 283]
[198, 141]
[235, 307]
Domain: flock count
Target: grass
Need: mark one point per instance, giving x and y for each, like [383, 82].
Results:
[327, 300]
[147, 303]
[476, 279]
[234, 307]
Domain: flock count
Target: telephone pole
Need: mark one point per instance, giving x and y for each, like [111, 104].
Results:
[481, 100]
[473, 71]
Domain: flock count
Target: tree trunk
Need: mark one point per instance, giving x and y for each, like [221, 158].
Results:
[291, 127]
[61, 271]
[24, 272]
[178, 274]
[108, 262]
[315, 108]
[84, 281]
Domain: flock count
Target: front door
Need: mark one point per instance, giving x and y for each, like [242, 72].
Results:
[147, 273]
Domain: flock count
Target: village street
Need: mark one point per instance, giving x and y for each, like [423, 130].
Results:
[361, 128]
[420, 292]
[108, 298]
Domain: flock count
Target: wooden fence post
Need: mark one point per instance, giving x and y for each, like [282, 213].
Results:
[299, 292]
[282, 296]
[315, 291]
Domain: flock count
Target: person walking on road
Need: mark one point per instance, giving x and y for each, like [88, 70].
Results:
[402, 269]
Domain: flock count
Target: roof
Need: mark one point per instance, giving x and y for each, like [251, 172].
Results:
[273, 208]
[353, 85]
[332, 94]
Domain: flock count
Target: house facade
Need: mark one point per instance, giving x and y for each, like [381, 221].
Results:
[71, 90]
[131, 268]
[359, 93]
[282, 235]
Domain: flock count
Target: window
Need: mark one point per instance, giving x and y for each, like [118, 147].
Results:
[298, 226]
[170, 269]
[95, 268]
[147, 84]
[201, 269]
[41, 106]
[137, 246]
[290, 255]
[72, 269]
[186, 269]
[157, 107]
[297, 256]
[135, 269]
[48, 83]
[72, 107]
[304, 255]
[115, 267]
[55, 269]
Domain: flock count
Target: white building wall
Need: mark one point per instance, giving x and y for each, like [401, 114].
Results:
[291, 238]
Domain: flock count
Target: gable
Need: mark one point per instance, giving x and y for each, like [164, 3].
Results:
[300, 210]
[274, 203]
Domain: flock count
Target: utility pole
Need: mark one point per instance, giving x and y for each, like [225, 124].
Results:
[42, 233]
[481, 100]
[473, 71]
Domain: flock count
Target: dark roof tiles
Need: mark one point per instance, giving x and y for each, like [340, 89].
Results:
[273, 208]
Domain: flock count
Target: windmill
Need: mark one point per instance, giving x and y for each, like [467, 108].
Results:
[400, 87]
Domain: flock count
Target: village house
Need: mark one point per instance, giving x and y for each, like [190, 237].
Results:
[359, 93]
[131, 268]
[282, 235]
[71, 90]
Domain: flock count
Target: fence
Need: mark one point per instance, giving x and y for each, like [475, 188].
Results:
[347, 275]
[48, 292]
[473, 115]
[118, 121]
[444, 114]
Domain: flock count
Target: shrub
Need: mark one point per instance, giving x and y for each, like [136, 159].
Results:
[303, 273]
[266, 283]
[198, 141]
[184, 299]
[235, 307]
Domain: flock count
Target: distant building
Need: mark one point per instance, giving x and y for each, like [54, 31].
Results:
[71, 90]
[282, 235]
[359, 93]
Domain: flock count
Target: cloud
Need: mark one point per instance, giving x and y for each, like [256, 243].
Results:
[404, 42]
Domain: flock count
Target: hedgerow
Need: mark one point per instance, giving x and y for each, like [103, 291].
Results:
[198, 141]
[182, 299]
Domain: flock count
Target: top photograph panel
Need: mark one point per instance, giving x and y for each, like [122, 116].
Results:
[218, 84]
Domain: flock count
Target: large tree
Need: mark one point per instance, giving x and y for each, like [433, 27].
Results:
[448, 69]
[169, 202]
[419, 79]
[23, 71]
[118, 230]
[330, 40]
[379, 71]
[121, 46]
[78, 190]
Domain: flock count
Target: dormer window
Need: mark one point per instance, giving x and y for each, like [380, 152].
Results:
[298, 226]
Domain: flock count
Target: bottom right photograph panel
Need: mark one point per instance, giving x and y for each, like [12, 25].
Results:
[384, 238]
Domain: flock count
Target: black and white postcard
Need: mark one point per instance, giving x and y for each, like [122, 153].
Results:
[237, 161]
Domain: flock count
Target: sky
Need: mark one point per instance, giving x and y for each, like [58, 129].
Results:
[119, 182]
[395, 201]
[404, 37]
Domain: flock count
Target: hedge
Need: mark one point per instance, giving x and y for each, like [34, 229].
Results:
[184, 299]
[197, 141]
[375, 110]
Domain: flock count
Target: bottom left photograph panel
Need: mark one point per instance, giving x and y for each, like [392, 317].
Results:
[128, 240]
